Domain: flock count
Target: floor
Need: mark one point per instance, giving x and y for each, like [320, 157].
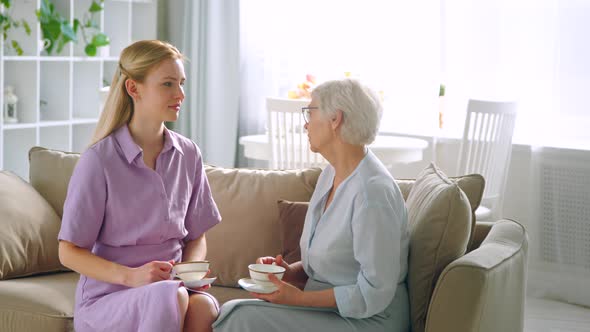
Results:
[551, 316]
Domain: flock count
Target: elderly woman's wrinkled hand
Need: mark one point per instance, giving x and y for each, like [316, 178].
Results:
[285, 293]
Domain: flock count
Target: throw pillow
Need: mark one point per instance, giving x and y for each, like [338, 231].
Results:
[439, 217]
[247, 200]
[291, 220]
[50, 172]
[472, 185]
[28, 241]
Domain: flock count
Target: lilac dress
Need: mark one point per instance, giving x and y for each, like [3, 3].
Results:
[127, 213]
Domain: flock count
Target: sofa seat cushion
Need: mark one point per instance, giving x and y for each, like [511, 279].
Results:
[39, 303]
[439, 217]
[28, 241]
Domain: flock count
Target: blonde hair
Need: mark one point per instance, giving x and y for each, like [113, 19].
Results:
[135, 63]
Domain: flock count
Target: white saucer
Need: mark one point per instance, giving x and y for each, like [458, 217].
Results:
[249, 285]
[199, 283]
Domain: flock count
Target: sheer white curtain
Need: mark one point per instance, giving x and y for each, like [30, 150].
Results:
[392, 46]
[207, 32]
[533, 51]
[536, 52]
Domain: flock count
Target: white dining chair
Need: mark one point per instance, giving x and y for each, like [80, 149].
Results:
[287, 136]
[486, 148]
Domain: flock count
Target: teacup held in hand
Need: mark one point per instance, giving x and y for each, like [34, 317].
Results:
[259, 273]
[190, 270]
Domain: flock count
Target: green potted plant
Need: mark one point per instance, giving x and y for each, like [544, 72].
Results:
[54, 27]
[59, 31]
[7, 23]
[91, 34]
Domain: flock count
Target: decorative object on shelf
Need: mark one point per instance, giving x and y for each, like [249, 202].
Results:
[441, 106]
[303, 89]
[43, 44]
[91, 34]
[7, 23]
[54, 27]
[10, 103]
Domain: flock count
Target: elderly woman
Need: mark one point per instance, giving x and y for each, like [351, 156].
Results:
[354, 245]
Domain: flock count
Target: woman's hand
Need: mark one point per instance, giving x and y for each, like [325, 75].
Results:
[204, 288]
[285, 293]
[148, 273]
[289, 274]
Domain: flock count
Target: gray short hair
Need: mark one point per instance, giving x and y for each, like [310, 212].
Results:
[361, 108]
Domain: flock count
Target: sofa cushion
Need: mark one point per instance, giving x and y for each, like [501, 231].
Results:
[292, 214]
[247, 200]
[28, 241]
[472, 185]
[39, 303]
[291, 220]
[439, 216]
[50, 173]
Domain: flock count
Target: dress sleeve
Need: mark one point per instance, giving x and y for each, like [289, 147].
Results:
[202, 210]
[85, 203]
[377, 245]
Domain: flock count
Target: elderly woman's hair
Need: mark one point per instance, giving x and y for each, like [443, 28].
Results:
[361, 109]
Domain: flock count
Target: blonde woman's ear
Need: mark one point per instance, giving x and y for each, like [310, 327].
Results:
[131, 87]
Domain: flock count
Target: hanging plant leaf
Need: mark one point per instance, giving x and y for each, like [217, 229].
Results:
[68, 32]
[90, 50]
[17, 47]
[76, 25]
[26, 26]
[100, 39]
[95, 7]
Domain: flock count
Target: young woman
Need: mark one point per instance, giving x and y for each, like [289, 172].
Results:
[137, 202]
[354, 245]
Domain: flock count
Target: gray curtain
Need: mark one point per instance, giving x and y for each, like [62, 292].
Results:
[207, 32]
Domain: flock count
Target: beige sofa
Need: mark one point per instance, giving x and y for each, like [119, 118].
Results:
[463, 276]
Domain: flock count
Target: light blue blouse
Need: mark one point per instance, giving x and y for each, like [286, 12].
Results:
[359, 245]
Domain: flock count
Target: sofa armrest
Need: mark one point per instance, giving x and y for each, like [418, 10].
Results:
[482, 229]
[485, 289]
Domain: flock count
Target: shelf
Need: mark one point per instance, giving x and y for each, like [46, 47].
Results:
[24, 10]
[82, 134]
[17, 144]
[22, 75]
[86, 101]
[14, 126]
[84, 121]
[21, 58]
[54, 98]
[59, 95]
[53, 123]
[57, 137]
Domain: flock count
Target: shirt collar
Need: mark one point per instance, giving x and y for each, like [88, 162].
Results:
[171, 141]
[131, 150]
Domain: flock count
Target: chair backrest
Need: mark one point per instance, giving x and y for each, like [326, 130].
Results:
[288, 137]
[487, 145]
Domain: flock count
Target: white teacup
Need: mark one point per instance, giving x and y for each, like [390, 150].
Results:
[191, 276]
[259, 273]
[200, 267]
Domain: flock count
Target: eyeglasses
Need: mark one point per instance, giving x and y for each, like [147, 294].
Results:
[306, 111]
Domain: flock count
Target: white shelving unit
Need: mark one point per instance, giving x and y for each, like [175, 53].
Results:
[58, 95]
